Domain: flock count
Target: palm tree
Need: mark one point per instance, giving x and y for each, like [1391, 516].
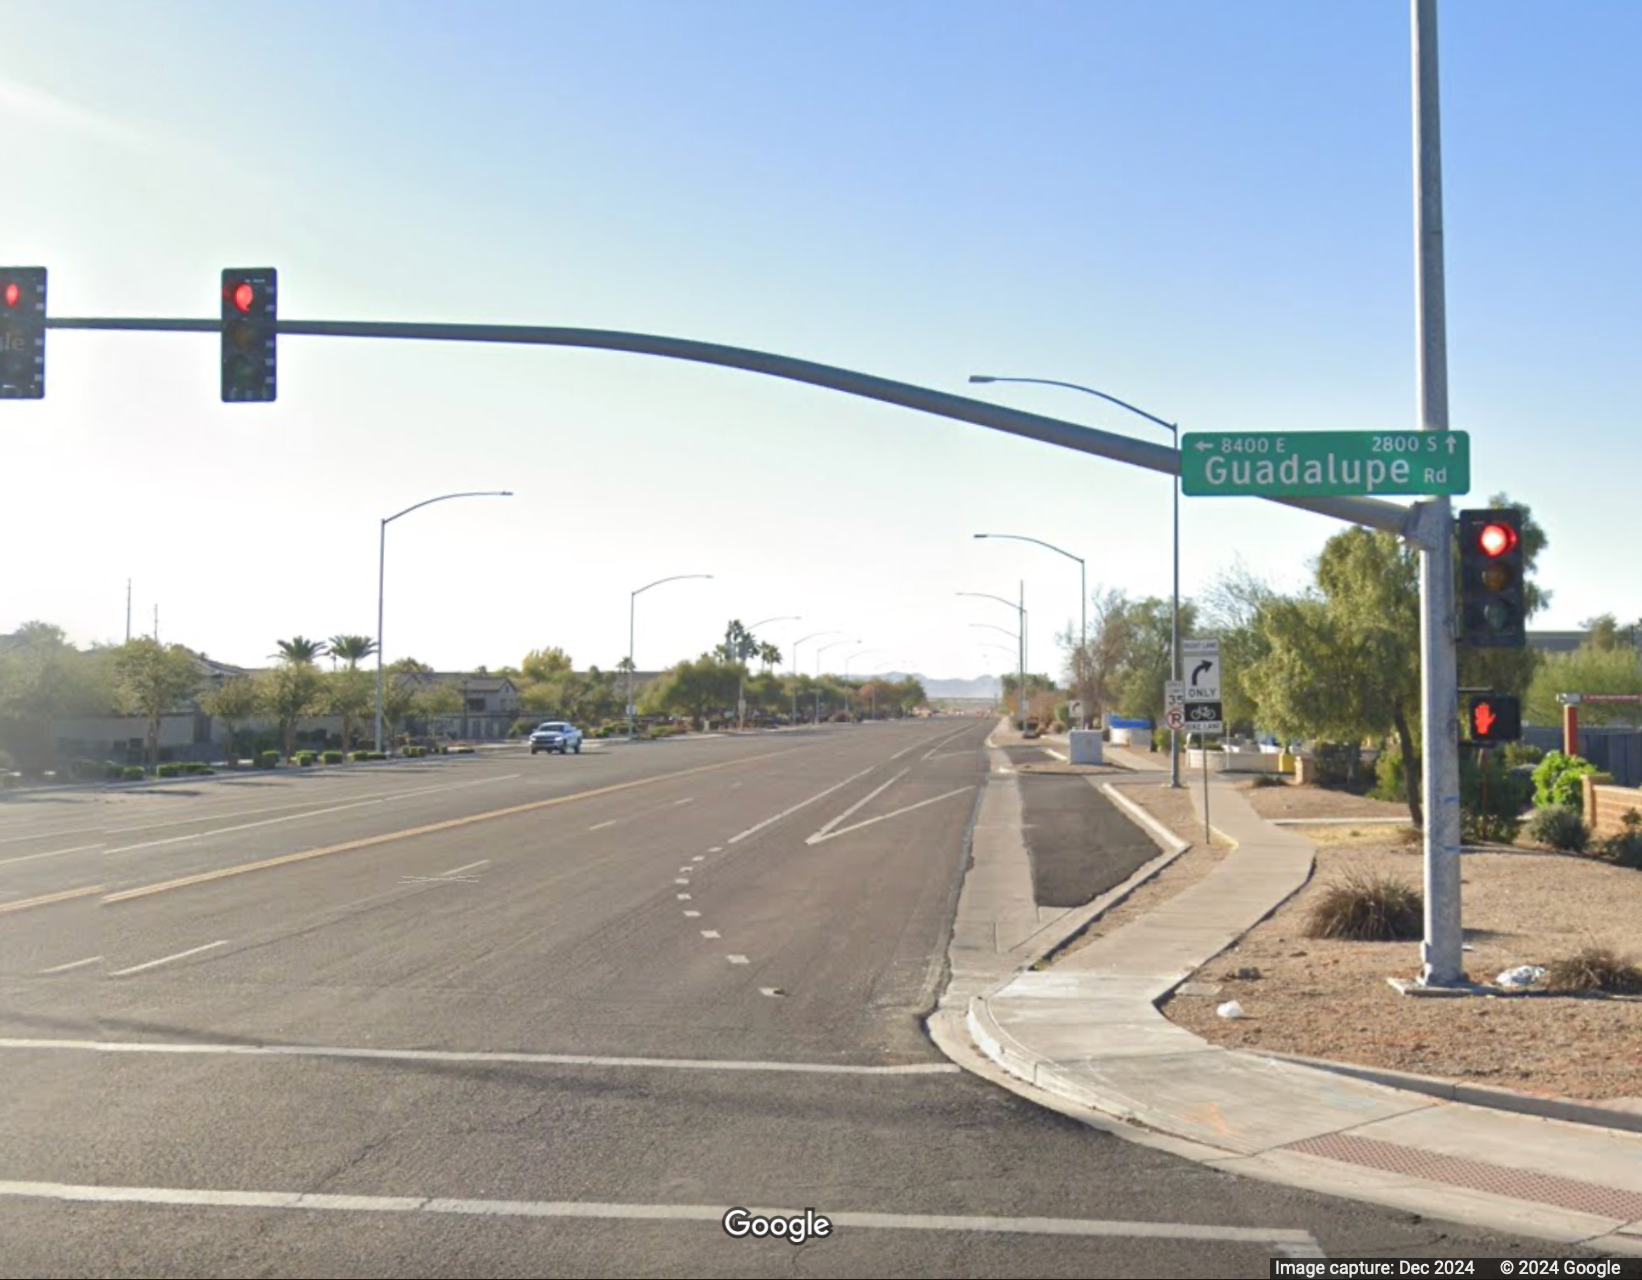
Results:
[769, 655]
[351, 649]
[299, 650]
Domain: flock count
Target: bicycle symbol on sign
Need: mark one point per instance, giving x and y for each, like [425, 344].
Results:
[1202, 711]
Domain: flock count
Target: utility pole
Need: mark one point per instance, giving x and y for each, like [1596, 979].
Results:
[128, 610]
[1441, 953]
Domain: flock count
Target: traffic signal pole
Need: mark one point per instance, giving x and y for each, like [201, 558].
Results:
[1442, 956]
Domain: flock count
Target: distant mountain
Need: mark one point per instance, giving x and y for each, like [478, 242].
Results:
[979, 687]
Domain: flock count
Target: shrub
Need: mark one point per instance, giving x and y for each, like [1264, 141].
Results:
[1160, 739]
[112, 771]
[1559, 827]
[1368, 908]
[1388, 777]
[1269, 780]
[1059, 726]
[305, 758]
[360, 755]
[197, 767]
[267, 759]
[1063, 712]
[1594, 968]
[462, 751]
[1556, 780]
[1492, 799]
[133, 773]
[332, 757]
[1626, 847]
[169, 771]
[1521, 753]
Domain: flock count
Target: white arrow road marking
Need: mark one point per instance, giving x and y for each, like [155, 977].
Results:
[863, 800]
[802, 804]
[883, 817]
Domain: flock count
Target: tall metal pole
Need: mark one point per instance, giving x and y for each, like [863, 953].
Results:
[381, 576]
[1020, 689]
[1174, 625]
[1442, 950]
[632, 615]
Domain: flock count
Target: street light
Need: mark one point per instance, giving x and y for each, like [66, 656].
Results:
[1020, 609]
[1083, 583]
[812, 636]
[818, 654]
[1174, 631]
[740, 686]
[381, 579]
[632, 612]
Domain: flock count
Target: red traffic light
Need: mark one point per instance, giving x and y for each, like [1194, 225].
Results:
[13, 293]
[1496, 539]
[244, 296]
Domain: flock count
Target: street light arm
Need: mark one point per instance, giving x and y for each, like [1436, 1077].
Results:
[677, 577]
[1014, 635]
[1078, 386]
[446, 497]
[1021, 537]
[985, 596]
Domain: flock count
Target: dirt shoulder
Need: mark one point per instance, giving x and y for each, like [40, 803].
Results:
[1329, 999]
[1290, 801]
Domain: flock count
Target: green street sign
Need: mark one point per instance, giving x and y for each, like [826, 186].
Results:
[1316, 464]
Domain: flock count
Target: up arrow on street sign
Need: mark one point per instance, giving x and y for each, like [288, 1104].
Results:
[1315, 464]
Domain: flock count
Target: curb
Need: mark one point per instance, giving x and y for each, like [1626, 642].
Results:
[1491, 1096]
[217, 774]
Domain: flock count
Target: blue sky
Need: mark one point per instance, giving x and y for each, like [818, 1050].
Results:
[1203, 208]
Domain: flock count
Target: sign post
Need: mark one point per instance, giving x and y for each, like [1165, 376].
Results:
[1204, 710]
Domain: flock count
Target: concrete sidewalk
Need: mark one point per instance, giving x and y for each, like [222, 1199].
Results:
[1088, 1032]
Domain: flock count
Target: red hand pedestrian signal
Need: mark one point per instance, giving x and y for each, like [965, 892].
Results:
[1494, 717]
[1482, 719]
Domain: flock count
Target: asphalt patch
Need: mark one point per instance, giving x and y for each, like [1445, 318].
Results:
[1079, 842]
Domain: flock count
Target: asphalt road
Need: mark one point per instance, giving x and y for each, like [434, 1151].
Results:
[504, 1015]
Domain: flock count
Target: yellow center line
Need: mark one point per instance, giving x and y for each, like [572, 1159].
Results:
[366, 842]
[64, 896]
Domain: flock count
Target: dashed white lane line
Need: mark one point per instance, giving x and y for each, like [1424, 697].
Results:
[710, 933]
[600, 826]
[686, 800]
[457, 1055]
[310, 813]
[877, 791]
[802, 804]
[483, 862]
[717, 848]
[51, 853]
[819, 837]
[1290, 1243]
[736, 959]
[693, 915]
[181, 955]
[682, 880]
[700, 857]
[72, 964]
[683, 897]
[686, 869]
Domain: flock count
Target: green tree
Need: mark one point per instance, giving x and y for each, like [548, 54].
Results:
[437, 699]
[289, 692]
[399, 691]
[351, 694]
[351, 649]
[1146, 663]
[1589, 669]
[298, 649]
[1094, 664]
[408, 665]
[696, 689]
[152, 679]
[42, 678]
[234, 702]
[1231, 611]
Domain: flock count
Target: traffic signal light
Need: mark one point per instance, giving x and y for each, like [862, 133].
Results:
[1493, 717]
[22, 333]
[250, 304]
[1492, 608]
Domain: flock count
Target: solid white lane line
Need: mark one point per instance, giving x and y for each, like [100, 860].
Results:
[181, 955]
[940, 742]
[72, 964]
[56, 835]
[736, 959]
[451, 1055]
[483, 862]
[297, 817]
[802, 804]
[600, 826]
[53, 853]
[710, 933]
[884, 817]
[1280, 1239]
[863, 800]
